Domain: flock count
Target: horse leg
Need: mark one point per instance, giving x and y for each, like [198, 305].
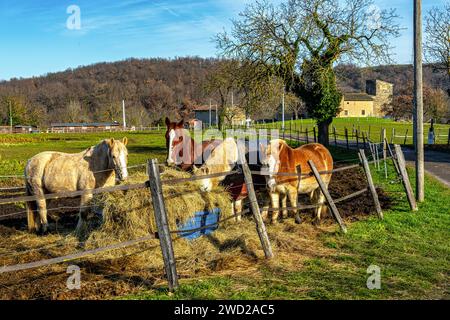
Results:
[42, 221]
[82, 218]
[238, 210]
[320, 200]
[275, 199]
[265, 210]
[293, 200]
[284, 211]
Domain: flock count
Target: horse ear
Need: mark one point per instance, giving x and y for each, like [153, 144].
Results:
[262, 147]
[125, 140]
[89, 152]
[110, 142]
[167, 121]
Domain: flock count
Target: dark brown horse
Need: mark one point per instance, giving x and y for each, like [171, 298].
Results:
[182, 150]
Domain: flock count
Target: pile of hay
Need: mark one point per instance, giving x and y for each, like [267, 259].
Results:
[129, 214]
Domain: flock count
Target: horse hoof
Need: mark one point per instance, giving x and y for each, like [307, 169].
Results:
[298, 220]
[316, 222]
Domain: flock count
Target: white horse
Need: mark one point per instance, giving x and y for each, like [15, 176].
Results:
[53, 172]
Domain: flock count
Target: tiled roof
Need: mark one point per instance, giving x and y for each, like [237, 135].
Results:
[349, 96]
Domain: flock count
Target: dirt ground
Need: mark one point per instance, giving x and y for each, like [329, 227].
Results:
[234, 248]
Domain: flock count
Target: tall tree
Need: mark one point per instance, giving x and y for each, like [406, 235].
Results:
[301, 40]
[437, 42]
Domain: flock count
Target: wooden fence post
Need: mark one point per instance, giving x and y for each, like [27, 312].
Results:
[334, 133]
[315, 136]
[162, 224]
[328, 197]
[364, 140]
[357, 139]
[260, 226]
[391, 154]
[384, 136]
[448, 137]
[297, 218]
[372, 189]
[406, 136]
[346, 137]
[393, 135]
[377, 156]
[405, 178]
[307, 136]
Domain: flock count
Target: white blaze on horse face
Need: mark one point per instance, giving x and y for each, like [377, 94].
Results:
[172, 134]
[272, 170]
[123, 164]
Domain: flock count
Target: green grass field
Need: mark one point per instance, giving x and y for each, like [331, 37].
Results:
[15, 150]
[366, 125]
[411, 249]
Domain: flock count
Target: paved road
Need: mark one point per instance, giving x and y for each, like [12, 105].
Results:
[436, 163]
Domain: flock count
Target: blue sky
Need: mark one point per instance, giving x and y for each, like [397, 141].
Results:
[35, 39]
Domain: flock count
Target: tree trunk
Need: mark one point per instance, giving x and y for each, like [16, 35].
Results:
[323, 128]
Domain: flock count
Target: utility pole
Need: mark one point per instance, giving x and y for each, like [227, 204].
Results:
[124, 115]
[232, 98]
[10, 118]
[418, 101]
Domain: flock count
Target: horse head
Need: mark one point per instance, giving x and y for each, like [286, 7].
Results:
[174, 136]
[118, 157]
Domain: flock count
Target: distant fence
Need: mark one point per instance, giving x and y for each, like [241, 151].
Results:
[7, 130]
[348, 136]
[164, 234]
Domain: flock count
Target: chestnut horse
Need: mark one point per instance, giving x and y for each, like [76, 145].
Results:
[281, 158]
[182, 150]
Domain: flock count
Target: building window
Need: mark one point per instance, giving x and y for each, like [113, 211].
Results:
[346, 112]
[363, 112]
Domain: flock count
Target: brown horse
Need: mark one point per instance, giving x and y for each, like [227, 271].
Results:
[182, 150]
[281, 158]
[53, 172]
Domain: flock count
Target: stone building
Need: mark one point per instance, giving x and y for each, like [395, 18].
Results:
[381, 92]
[369, 103]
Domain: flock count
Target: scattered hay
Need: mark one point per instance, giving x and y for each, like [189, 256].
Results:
[129, 215]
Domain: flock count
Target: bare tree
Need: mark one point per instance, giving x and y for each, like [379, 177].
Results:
[300, 41]
[437, 42]
[75, 113]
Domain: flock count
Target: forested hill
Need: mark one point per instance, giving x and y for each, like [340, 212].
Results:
[152, 89]
[352, 78]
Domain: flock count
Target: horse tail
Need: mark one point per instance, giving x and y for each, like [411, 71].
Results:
[31, 208]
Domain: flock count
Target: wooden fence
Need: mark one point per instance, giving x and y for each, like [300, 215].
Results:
[349, 136]
[164, 234]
